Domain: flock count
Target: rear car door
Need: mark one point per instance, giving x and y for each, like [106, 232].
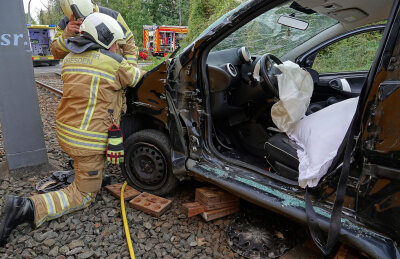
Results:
[342, 63]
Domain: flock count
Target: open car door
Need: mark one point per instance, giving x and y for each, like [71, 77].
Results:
[376, 121]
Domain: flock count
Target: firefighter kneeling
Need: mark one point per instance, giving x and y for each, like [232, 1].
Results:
[87, 121]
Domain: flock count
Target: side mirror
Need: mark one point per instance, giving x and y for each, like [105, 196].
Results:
[306, 61]
[309, 61]
[293, 22]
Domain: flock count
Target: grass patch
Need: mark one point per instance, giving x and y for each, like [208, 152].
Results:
[155, 61]
[355, 53]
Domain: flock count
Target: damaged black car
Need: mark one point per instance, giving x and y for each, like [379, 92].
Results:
[219, 112]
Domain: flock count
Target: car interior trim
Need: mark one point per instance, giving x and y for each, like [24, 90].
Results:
[345, 85]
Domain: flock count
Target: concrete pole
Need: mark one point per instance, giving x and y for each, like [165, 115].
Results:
[29, 12]
[19, 107]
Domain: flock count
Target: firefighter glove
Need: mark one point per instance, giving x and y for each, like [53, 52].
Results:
[115, 148]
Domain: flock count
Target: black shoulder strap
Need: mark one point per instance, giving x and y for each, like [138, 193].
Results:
[113, 55]
[336, 215]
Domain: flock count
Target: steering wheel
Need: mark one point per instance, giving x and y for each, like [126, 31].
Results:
[268, 72]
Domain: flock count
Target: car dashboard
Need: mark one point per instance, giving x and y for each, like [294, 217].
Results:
[231, 83]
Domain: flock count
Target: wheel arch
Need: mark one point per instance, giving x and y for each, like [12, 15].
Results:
[132, 123]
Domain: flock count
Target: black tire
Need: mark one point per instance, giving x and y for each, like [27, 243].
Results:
[147, 166]
[53, 62]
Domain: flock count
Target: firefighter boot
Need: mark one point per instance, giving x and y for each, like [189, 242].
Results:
[17, 210]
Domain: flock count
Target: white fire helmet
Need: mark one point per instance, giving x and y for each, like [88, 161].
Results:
[79, 8]
[103, 29]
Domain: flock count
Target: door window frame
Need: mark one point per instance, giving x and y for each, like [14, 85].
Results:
[307, 59]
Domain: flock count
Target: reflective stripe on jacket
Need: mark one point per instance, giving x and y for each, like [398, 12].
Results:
[59, 49]
[93, 84]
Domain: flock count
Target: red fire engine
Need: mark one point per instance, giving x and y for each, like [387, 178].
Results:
[162, 40]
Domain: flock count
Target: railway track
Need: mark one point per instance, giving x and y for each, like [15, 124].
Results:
[50, 88]
[60, 92]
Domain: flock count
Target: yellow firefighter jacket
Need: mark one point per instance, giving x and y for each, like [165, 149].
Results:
[59, 49]
[93, 82]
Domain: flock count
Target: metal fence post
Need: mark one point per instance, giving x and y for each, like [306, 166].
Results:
[19, 107]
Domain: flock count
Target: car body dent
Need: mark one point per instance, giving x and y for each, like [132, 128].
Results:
[150, 93]
[382, 133]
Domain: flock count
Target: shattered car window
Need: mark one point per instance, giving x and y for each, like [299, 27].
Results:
[265, 35]
[220, 20]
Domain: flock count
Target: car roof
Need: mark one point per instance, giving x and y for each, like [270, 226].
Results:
[351, 14]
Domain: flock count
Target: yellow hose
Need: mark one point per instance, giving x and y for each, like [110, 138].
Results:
[126, 227]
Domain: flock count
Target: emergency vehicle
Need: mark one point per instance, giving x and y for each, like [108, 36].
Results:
[40, 37]
[162, 40]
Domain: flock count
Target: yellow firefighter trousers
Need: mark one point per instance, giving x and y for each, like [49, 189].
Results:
[77, 196]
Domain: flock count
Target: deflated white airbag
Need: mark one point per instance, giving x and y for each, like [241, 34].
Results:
[319, 135]
[295, 90]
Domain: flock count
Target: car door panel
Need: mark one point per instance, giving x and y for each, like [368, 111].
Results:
[352, 83]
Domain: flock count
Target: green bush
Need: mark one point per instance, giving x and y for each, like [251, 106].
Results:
[352, 54]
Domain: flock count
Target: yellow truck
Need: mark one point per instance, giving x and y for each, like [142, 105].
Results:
[40, 39]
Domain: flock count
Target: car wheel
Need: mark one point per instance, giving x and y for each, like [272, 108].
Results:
[147, 164]
[54, 62]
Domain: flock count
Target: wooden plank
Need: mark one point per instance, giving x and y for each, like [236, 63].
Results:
[222, 205]
[150, 204]
[115, 190]
[209, 196]
[216, 214]
[193, 208]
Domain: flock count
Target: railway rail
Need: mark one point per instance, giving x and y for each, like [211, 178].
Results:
[50, 88]
[60, 92]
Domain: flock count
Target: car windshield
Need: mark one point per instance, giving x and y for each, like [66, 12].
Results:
[265, 35]
[221, 19]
